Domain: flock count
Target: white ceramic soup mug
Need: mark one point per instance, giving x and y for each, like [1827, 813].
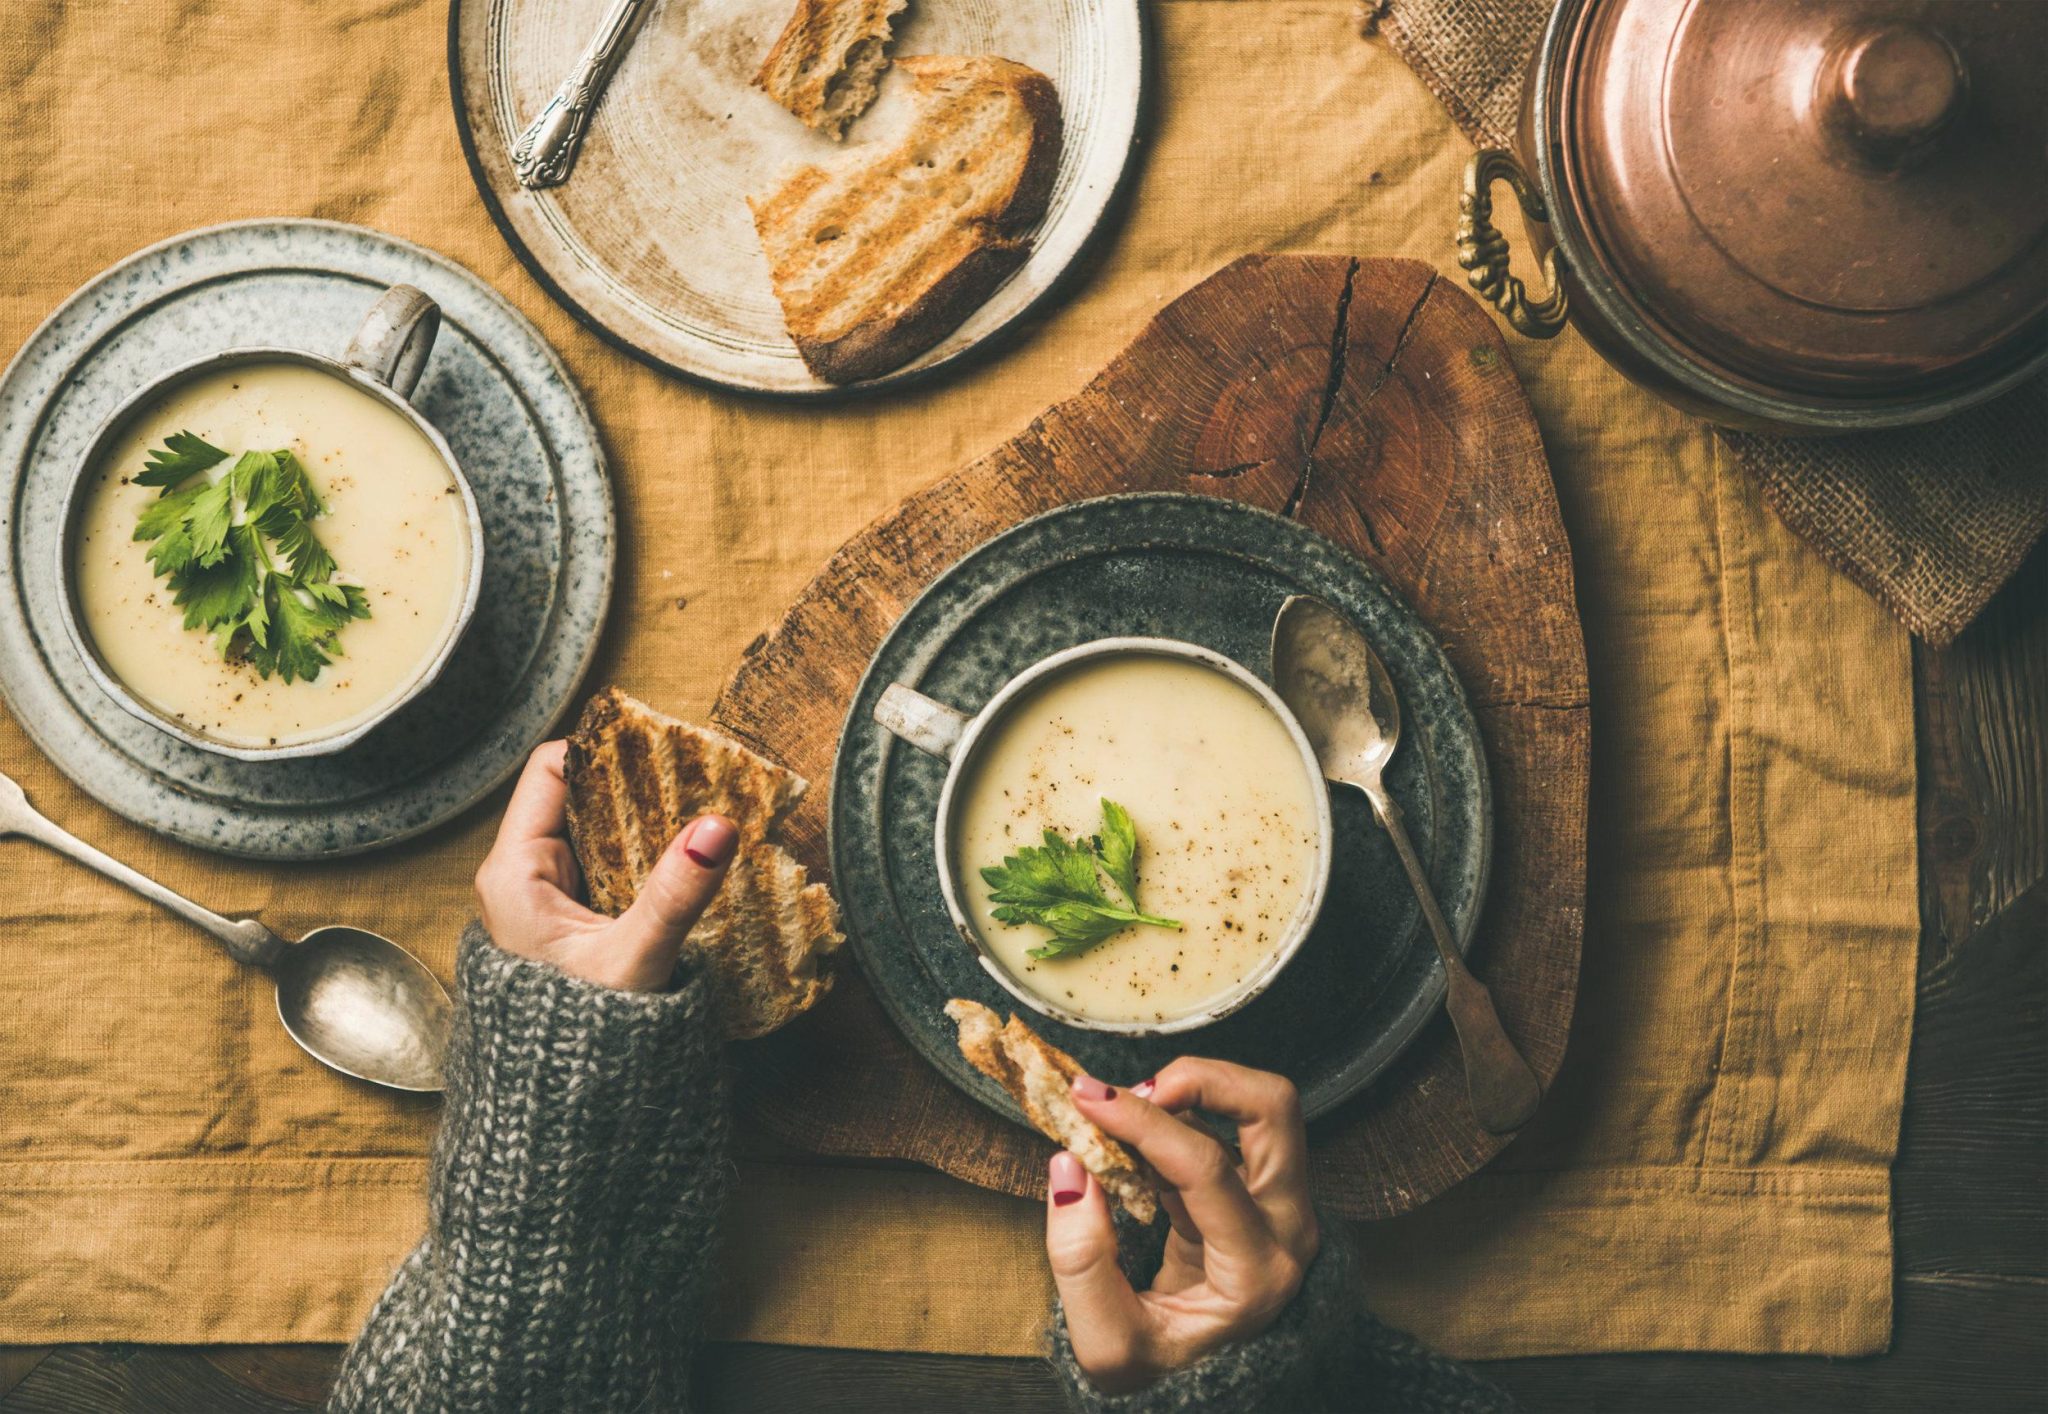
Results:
[383, 361]
[958, 739]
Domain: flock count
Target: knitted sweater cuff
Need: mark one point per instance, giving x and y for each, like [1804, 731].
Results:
[561, 1089]
[574, 1194]
[1276, 1369]
[522, 1025]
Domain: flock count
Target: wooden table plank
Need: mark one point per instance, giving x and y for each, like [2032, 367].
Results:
[1982, 719]
[148, 1379]
[15, 1363]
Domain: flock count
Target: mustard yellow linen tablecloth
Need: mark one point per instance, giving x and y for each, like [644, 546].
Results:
[1712, 1170]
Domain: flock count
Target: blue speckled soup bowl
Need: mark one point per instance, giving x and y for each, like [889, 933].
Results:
[941, 731]
[384, 361]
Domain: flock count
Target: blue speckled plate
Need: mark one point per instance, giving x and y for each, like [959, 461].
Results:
[497, 393]
[1210, 572]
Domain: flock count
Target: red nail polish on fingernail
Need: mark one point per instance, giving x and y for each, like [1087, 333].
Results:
[1066, 1178]
[1143, 1089]
[710, 842]
[1089, 1088]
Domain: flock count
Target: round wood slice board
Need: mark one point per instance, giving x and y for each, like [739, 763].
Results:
[650, 241]
[1375, 404]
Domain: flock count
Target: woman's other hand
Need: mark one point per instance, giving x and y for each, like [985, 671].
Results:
[1243, 1234]
[528, 888]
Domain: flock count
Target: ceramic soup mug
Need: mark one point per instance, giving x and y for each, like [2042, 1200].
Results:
[961, 740]
[384, 362]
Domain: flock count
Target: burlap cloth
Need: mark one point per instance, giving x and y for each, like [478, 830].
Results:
[1932, 519]
[1712, 1169]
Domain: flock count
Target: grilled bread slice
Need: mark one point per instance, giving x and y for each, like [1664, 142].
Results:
[1037, 1074]
[827, 66]
[878, 257]
[636, 777]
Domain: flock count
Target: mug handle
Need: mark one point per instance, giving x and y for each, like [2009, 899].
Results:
[395, 338]
[931, 727]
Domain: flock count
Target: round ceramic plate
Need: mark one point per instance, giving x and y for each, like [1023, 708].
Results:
[650, 241]
[506, 406]
[1211, 572]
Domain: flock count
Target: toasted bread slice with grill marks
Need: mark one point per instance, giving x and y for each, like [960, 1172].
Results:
[636, 777]
[878, 257]
[1038, 1075]
[827, 65]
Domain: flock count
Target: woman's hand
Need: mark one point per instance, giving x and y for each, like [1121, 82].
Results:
[1243, 1233]
[528, 889]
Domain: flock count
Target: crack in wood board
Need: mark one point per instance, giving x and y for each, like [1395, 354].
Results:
[1340, 350]
[1339, 360]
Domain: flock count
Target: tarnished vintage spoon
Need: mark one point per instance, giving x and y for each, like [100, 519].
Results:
[1339, 691]
[354, 1001]
[545, 151]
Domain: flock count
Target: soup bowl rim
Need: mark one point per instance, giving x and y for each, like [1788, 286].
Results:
[975, 733]
[71, 612]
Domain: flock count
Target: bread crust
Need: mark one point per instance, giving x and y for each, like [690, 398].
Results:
[635, 777]
[799, 74]
[1037, 1075]
[872, 348]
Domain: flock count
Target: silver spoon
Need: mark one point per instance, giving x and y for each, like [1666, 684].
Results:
[545, 151]
[1339, 690]
[352, 1000]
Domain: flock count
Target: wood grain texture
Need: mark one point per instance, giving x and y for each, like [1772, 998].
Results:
[159, 1379]
[16, 1361]
[1375, 405]
[1983, 762]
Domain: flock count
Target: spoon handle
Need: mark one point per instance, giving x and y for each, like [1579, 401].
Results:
[246, 940]
[1503, 1087]
[544, 153]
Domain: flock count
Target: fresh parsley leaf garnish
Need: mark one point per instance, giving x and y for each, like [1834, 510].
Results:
[1058, 886]
[1117, 846]
[303, 635]
[207, 521]
[241, 556]
[181, 455]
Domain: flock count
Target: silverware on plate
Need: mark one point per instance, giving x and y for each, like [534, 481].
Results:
[352, 1000]
[1338, 689]
[545, 152]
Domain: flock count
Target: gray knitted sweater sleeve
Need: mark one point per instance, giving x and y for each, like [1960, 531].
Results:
[1325, 1352]
[572, 1202]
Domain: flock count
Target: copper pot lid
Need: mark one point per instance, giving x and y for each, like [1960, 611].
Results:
[1841, 197]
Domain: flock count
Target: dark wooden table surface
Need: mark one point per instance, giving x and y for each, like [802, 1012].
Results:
[1971, 1331]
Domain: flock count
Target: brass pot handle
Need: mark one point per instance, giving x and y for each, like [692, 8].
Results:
[1483, 250]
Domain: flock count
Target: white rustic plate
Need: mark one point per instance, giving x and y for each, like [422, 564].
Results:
[650, 242]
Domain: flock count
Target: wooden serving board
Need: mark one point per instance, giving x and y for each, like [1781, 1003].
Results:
[1375, 403]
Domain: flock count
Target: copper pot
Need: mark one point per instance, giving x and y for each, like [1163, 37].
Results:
[1804, 217]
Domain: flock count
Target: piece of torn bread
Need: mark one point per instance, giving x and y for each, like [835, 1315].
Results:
[636, 777]
[1037, 1074]
[826, 67]
[879, 256]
